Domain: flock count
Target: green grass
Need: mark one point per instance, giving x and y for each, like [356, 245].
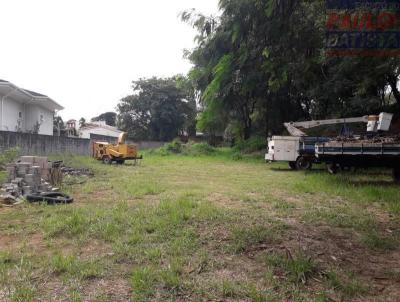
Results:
[73, 267]
[244, 238]
[204, 224]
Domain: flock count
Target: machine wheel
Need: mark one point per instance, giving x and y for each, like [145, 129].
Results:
[396, 175]
[303, 163]
[292, 165]
[120, 161]
[332, 168]
[345, 168]
[107, 160]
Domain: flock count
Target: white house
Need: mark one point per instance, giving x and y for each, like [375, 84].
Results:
[98, 128]
[22, 110]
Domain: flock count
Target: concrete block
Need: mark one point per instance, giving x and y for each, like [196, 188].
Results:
[27, 159]
[36, 170]
[26, 190]
[23, 168]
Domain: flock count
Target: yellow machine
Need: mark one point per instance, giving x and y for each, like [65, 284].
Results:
[119, 153]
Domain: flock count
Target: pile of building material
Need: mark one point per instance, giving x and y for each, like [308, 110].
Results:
[76, 171]
[394, 139]
[29, 174]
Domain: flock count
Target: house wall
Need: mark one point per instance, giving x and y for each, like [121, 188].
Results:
[85, 133]
[33, 114]
[10, 115]
[9, 118]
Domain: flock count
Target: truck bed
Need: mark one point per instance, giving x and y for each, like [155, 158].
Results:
[359, 154]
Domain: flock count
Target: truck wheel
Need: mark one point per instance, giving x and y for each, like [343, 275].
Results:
[292, 165]
[303, 163]
[345, 168]
[396, 175]
[107, 160]
[332, 168]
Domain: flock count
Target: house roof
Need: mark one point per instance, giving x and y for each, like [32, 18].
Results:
[36, 94]
[37, 98]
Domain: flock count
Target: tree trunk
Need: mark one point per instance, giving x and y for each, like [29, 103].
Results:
[247, 131]
[393, 85]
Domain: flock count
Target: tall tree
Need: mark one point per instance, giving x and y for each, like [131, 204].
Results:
[109, 117]
[262, 62]
[82, 122]
[159, 109]
[58, 125]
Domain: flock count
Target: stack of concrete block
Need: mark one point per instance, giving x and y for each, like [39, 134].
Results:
[28, 175]
[37, 161]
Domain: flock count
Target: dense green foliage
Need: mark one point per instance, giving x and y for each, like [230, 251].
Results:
[262, 62]
[159, 109]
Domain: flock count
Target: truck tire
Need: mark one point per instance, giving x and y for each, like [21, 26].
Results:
[303, 163]
[50, 198]
[107, 160]
[396, 175]
[333, 168]
[292, 165]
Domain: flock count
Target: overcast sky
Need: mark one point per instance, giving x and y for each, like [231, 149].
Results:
[85, 53]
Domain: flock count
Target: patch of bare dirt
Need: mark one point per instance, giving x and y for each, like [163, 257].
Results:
[114, 289]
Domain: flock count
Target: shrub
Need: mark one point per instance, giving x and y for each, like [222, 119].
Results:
[199, 149]
[177, 147]
[174, 147]
[8, 156]
[297, 268]
[255, 143]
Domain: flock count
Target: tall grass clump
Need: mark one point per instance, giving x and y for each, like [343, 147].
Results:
[189, 149]
[253, 144]
[8, 156]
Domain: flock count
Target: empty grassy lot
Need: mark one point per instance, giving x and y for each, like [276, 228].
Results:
[206, 228]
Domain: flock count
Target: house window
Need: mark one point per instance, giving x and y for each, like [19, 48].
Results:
[20, 114]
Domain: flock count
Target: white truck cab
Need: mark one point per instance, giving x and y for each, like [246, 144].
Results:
[283, 148]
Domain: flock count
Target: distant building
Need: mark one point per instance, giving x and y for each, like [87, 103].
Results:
[71, 128]
[23, 110]
[98, 128]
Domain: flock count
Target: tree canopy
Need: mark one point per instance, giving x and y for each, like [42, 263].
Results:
[263, 62]
[159, 109]
[109, 117]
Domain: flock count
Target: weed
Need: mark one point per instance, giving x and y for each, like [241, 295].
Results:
[245, 237]
[170, 279]
[350, 289]
[230, 289]
[8, 156]
[143, 283]
[76, 268]
[373, 240]
[255, 295]
[298, 268]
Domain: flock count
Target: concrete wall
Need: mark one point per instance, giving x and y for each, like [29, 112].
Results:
[43, 145]
[34, 144]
